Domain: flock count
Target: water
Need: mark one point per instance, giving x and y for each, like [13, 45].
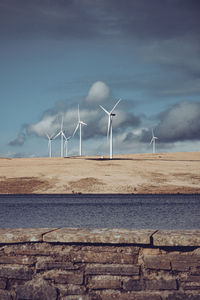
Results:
[101, 211]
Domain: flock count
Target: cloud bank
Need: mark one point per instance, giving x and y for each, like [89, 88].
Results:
[90, 112]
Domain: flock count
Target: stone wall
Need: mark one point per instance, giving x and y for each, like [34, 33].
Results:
[66, 263]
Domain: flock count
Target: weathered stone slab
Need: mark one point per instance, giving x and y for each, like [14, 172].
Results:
[70, 289]
[182, 296]
[104, 236]
[161, 284]
[38, 249]
[102, 257]
[160, 262]
[189, 238]
[16, 271]
[36, 290]
[76, 297]
[117, 295]
[63, 277]
[133, 285]
[18, 260]
[2, 283]
[112, 269]
[5, 295]
[22, 235]
[104, 282]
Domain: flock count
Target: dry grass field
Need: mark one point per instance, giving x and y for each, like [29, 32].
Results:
[126, 174]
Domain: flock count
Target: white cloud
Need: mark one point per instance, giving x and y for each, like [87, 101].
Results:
[98, 92]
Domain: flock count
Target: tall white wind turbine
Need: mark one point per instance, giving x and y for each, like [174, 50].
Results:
[153, 141]
[50, 138]
[79, 125]
[62, 135]
[66, 144]
[109, 130]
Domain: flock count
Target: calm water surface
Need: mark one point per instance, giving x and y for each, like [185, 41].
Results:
[101, 211]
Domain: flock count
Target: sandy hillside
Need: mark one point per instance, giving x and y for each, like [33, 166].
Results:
[133, 173]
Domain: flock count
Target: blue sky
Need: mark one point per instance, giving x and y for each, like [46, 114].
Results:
[58, 54]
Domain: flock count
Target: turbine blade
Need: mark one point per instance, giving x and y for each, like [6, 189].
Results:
[104, 110]
[83, 123]
[151, 141]
[57, 134]
[115, 105]
[75, 129]
[64, 135]
[152, 133]
[52, 137]
[48, 136]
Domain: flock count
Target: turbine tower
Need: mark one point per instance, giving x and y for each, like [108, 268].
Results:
[109, 130]
[79, 125]
[66, 144]
[62, 135]
[153, 141]
[50, 138]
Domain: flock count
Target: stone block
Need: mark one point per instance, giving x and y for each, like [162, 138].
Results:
[195, 271]
[184, 262]
[104, 236]
[133, 285]
[22, 235]
[21, 260]
[160, 262]
[112, 269]
[190, 285]
[102, 257]
[5, 295]
[16, 271]
[176, 238]
[13, 282]
[36, 290]
[63, 277]
[70, 289]
[76, 297]
[104, 282]
[3, 282]
[38, 249]
[161, 284]
[182, 296]
[49, 265]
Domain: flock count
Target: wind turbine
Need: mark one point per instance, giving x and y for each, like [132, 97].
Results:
[109, 130]
[79, 125]
[50, 138]
[66, 144]
[62, 135]
[153, 141]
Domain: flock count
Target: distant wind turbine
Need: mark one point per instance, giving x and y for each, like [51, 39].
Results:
[153, 141]
[50, 138]
[109, 130]
[66, 144]
[62, 135]
[79, 125]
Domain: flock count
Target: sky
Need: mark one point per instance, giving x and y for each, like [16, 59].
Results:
[58, 54]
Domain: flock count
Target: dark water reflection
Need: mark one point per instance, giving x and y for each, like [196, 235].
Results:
[101, 211]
